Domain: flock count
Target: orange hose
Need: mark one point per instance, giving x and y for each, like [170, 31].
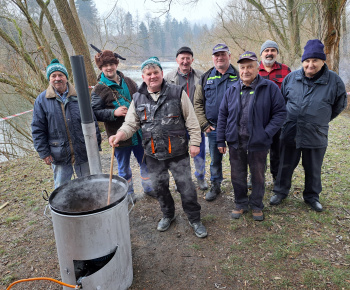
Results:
[41, 278]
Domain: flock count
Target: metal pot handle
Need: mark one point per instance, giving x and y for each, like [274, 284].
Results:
[45, 195]
[133, 204]
[46, 214]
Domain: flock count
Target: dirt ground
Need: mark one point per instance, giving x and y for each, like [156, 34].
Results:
[293, 248]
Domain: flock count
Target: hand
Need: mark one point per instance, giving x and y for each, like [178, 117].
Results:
[211, 128]
[121, 111]
[48, 160]
[222, 150]
[194, 151]
[115, 139]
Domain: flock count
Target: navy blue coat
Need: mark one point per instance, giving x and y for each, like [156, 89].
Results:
[49, 129]
[310, 109]
[266, 114]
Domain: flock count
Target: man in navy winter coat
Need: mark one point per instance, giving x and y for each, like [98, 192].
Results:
[56, 127]
[314, 96]
[251, 113]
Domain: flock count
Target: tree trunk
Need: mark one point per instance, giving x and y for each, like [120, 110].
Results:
[76, 38]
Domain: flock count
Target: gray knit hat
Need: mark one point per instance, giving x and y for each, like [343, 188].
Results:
[55, 65]
[269, 43]
[151, 60]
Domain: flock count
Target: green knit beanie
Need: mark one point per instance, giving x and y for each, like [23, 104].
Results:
[151, 60]
[55, 65]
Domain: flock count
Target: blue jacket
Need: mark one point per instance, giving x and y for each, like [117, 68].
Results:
[49, 128]
[266, 115]
[310, 109]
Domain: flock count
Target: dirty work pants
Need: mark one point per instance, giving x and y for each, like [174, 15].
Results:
[180, 169]
[239, 160]
[312, 160]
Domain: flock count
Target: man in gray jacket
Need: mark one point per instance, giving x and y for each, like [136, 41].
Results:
[314, 96]
[188, 78]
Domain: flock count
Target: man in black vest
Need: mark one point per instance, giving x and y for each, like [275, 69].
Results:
[164, 112]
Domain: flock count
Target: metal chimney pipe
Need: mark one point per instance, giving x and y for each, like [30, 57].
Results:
[87, 119]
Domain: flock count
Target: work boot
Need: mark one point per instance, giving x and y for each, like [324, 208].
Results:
[202, 183]
[199, 229]
[214, 191]
[238, 212]
[165, 223]
[258, 215]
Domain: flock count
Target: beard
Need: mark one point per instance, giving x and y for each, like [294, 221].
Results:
[269, 62]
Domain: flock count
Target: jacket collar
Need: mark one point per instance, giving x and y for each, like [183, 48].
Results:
[51, 94]
[322, 80]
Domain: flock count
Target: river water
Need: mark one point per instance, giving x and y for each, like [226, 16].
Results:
[9, 135]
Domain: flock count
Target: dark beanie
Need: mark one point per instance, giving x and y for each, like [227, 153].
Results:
[105, 57]
[313, 49]
[184, 49]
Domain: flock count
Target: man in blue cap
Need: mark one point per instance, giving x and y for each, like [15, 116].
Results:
[251, 113]
[165, 114]
[56, 127]
[207, 99]
[314, 96]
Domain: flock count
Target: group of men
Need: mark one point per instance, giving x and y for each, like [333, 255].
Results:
[255, 109]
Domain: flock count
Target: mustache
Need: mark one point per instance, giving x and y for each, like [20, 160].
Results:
[269, 55]
[58, 82]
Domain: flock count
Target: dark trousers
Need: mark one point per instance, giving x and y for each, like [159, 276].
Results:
[180, 169]
[275, 154]
[239, 161]
[312, 160]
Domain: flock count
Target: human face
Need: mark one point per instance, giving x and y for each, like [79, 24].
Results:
[184, 60]
[110, 70]
[269, 56]
[312, 66]
[248, 70]
[221, 60]
[59, 81]
[153, 77]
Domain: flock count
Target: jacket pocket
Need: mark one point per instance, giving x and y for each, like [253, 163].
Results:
[143, 112]
[57, 150]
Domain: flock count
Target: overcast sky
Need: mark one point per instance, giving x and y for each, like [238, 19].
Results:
[202, 13]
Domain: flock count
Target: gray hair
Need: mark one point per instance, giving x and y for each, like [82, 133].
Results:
[149, 66]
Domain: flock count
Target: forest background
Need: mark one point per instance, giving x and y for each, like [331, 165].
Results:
[33, 32]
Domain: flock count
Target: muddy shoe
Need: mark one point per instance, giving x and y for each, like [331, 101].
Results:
[199, 229]
[237, 213]
[164, 224]
[202, 183]
[214, 191]
[258, 215]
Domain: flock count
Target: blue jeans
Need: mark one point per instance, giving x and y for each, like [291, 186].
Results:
[123, 158]
[63, 173]
[199, 160]
[216, 159]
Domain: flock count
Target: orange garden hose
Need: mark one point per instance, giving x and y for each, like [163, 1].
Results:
[42, 278]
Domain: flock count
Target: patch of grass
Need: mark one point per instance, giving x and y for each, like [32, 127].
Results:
[12, 219]
[2, 252]
[32, 222]
[209, 218]
[8, 279]
[195, 246]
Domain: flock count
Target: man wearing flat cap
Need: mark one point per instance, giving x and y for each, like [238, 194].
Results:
[165, 114]
[187, 77]
[274, 71]
[111, 98]
[314, 96]
[251, 113]
[207, 99]
[56, 127]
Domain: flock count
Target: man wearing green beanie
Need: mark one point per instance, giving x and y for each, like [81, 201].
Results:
[56, 127]
[164, 113]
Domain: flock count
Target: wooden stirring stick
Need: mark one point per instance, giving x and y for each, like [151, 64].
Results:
[110, 177]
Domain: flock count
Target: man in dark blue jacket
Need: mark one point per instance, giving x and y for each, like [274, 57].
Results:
[314, 96]
[56, 127]
[251, 113]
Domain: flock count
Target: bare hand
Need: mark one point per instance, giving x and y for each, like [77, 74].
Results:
[115, 139]
[121, 111]
[48, 160]
[222, 150]
[211, 128]
[194, 151]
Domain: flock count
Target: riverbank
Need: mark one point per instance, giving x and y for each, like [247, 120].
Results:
[294, 248]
